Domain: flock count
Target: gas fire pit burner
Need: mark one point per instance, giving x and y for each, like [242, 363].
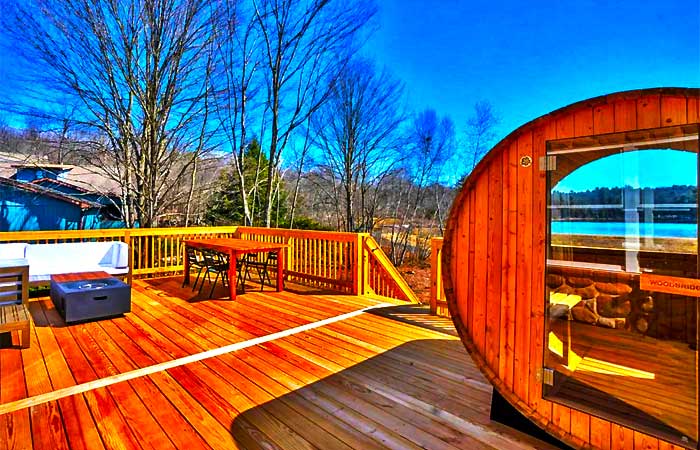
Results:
[96, 285]
[89, 295]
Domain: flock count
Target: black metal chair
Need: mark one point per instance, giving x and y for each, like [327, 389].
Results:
[216, 263]
[260, 263]
[196, 260]
[241, 263]
[271, 263]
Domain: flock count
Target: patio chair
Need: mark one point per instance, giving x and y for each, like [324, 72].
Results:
[14, 299]
[271, 263]
[196, 261]
[260, 263]
[241, 263]
[217, 263]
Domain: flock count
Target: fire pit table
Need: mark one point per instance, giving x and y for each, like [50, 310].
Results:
[89, 295]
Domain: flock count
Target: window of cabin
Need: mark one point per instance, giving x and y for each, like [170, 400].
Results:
[622, 279]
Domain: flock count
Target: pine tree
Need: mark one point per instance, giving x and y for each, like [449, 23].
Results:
[225, 206]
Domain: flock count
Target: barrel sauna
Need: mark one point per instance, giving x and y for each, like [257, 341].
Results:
[571, 270]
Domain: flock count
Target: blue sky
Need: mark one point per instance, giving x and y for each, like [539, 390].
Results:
[670, 167]
[525, 57]
[530, 57]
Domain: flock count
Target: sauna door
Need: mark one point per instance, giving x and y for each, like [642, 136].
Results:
[622, 279]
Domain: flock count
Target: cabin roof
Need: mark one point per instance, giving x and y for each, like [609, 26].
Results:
[43, 190]
[49, 181]
[42, 165]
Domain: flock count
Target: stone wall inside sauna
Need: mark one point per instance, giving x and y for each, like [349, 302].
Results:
[613, 300]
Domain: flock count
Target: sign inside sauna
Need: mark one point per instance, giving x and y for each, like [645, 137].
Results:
[670, 285]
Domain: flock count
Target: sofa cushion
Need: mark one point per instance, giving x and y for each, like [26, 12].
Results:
[80, 253]
[121, 255]
[50, 259]
[15, 250]
[43, 273]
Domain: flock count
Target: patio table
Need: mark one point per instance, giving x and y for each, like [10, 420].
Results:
[234, 248]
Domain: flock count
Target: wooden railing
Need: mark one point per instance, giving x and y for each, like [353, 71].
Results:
[153, 251]
[438, 304]
[380, 275]
[345, 262]
[317, 258]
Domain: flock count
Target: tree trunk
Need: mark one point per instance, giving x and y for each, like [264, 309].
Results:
[193, 180]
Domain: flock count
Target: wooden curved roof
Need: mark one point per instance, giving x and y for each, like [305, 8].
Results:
[494, 255]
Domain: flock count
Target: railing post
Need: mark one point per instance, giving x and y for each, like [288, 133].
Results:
[290, 255]
[356, 271]
[435, 273]
[127, 241]
[364, 265]
[358, 267]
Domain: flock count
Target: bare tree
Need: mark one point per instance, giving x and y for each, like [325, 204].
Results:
[305, 43]
[300, 162]
[356, 130]
[237, 81]
[56, 137]
[431, 141]
[480, 132]
[139, 72]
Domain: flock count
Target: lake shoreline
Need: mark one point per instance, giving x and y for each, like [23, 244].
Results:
[624, 229]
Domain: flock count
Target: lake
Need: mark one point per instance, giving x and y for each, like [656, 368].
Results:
[681, 230]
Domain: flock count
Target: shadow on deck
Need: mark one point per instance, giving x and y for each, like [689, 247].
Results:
[302, 368]
[411, 396]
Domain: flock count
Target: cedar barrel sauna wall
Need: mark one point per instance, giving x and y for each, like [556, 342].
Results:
[494, 256]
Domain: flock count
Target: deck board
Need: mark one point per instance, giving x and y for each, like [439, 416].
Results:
[395, 379]
[666, 366]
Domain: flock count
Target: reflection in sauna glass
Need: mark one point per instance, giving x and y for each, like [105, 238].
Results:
[622, 279]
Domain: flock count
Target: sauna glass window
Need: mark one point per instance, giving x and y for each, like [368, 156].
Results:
[622, 279]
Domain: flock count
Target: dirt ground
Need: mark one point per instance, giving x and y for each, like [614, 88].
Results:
[419, 280]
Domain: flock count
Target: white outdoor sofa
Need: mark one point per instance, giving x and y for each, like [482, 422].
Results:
[52, 259]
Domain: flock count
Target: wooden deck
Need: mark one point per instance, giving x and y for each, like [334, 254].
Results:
[652, 382]
[262, 372]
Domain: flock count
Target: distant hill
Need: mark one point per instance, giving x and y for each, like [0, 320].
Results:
[675, 204]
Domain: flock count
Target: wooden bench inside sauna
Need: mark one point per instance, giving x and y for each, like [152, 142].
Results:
[571, 270]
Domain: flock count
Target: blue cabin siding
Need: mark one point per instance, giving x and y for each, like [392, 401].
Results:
[107, 223]
[28, 211]
[92, 219]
